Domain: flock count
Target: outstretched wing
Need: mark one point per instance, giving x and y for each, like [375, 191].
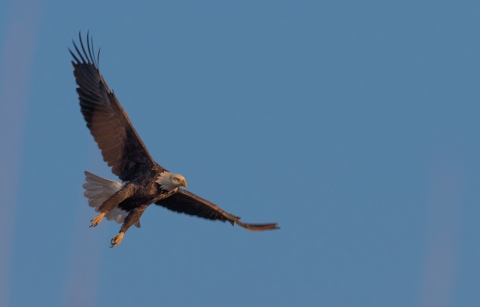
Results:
[186, 202]
[120, 144]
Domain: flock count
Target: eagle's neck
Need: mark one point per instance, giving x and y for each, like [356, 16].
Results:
[165, 181]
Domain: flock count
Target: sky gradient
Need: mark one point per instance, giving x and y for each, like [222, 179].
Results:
[354, 125]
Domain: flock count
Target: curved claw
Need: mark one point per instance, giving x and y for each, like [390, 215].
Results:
[116, 240]
[96, 220]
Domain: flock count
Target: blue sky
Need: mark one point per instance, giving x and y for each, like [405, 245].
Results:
[353, 124]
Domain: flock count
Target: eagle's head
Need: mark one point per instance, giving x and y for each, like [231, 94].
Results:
[169, 181]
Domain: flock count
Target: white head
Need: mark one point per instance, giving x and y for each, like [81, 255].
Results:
[170, 181]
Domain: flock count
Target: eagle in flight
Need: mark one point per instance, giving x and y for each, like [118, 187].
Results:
[144, 181]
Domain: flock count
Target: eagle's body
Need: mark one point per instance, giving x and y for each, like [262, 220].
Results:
[144, 181]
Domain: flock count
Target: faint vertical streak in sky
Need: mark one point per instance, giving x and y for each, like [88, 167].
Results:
[443, 211]
[16, 60]
[84, 259]
[86, 252]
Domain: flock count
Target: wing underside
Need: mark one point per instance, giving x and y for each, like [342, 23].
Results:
[186, 202]
[121, 147]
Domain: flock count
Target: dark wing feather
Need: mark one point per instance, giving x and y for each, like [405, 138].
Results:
[118, 141]
[186, 202]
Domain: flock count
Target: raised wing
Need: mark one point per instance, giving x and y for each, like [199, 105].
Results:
[109, 125]
[186, 202]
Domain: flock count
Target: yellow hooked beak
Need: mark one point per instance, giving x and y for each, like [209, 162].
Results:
[183, 183]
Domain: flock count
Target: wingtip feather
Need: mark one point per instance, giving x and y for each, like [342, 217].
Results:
[258, 227]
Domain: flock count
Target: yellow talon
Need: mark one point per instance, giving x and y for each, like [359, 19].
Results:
[116, 240]
[96, 220]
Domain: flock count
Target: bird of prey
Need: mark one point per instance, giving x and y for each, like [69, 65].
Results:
[144, 181]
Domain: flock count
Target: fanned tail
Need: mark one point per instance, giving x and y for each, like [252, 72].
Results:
[98, 190]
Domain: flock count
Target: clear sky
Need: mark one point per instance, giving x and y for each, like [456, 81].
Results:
[353, 124]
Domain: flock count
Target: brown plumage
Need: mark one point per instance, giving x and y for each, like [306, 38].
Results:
[144, 181]
[109, 124]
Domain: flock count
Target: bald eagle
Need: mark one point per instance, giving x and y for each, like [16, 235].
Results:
[144, 181]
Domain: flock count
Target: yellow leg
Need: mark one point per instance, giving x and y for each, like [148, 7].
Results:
[117, 239]
[96, 220]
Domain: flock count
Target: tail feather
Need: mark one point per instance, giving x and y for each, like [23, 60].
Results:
[112, 214]
[98, 190]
